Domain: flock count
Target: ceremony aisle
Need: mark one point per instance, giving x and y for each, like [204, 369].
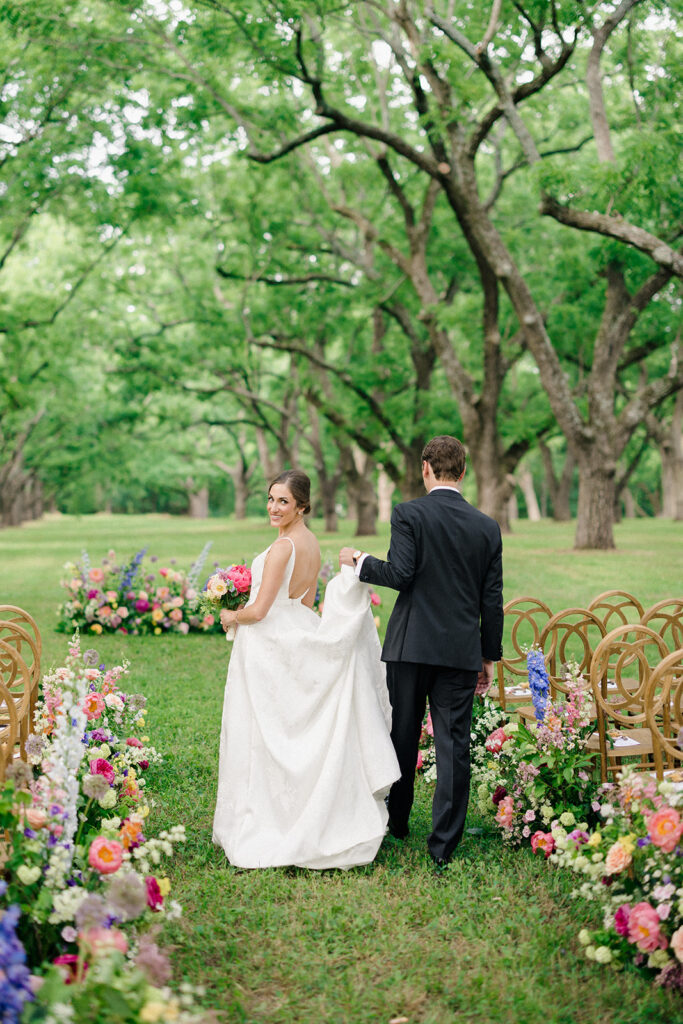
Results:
[495, 940]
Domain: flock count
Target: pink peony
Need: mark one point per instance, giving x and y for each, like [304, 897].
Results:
[241, 577]
[621, 916]
[36, 817]
[505, 812]
[105, 855]
[92, 594]
[96, 575]
[644, 929]
[142, 605]
[69, 967]
[104, 940]
[496, 740]
[133, 741]
[154, 898]
[101, 767]
[93, 705]
[617, 859]
[543, 841]
[665, 828]
[175, 614]
[677, 943]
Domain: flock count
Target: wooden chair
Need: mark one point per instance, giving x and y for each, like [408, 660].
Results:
[620, 671]
[529, 616]
[15, 679]
[666, 617]
[570, 635]
[664, 712]
[9, 729]
[615, 607]
[18, 629]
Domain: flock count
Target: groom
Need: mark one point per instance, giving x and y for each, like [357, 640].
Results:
[444, 634]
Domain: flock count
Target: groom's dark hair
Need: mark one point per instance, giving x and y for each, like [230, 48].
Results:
[447, 457]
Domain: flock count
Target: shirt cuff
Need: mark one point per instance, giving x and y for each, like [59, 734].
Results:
[359, 564]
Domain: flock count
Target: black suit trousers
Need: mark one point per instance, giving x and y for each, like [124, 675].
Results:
[450, 693]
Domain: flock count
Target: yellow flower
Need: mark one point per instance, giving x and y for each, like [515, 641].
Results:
[595, 839]
[157, 630]
[164, 886]
[96, 628]
[143, 811]
[132, 774]
[143, 739]
[152, 1012]
[628, 842]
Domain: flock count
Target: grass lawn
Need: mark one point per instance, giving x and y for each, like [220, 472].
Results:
[496, 941]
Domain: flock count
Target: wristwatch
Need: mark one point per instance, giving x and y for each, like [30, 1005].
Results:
[355, 556]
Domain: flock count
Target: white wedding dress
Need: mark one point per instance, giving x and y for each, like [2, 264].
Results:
[305, 754]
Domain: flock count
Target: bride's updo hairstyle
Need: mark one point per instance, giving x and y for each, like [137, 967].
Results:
[299, 486]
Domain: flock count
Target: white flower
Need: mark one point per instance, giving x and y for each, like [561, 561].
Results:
[603, 955]
[27, 875]
[567, 819]
[66, 903]
[660, 958]
[584, 937]
[108, 800]
[112, 700]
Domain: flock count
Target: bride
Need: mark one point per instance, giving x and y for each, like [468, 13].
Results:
[305, 754]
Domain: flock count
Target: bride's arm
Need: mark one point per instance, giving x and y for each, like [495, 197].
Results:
[273, 575]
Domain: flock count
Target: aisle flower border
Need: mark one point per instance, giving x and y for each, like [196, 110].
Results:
[83, 892]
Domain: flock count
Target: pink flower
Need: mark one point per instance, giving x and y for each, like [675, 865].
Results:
[93, 705]
[505, 812]
[154, 898]
[96, 575]
[419, 760]
[36, 817]
[375, 598]
[617, 859]
[175, 614]
[207, 621]
[163, 572]
[621, 916]
[543, 841]
[496, 740]
[578, 837]
[665, 828]
[677, 943]
[105, 855]
[429, 726]
[104, 940]
[133, 741]
[498, 794]
[241, 577]
[101, 767]
[68, 967]
[643, 928]
[184, 627]
[142, 605]
[529, 815]
[92, 594]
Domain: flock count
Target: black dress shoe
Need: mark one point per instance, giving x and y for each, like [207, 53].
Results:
[440, 865]
[396, 831]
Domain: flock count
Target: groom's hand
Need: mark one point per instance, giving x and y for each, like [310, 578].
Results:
[484, 679]
[346, 557]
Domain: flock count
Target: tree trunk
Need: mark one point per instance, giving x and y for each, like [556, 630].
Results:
[198, 498]
[597, 492]
[385, 492]
[672, 465]
[358, 469]
[328, 496]
[629, 504]
[526, 485]
[558, 489]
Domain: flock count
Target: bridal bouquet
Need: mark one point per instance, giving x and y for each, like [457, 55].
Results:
[227, 588]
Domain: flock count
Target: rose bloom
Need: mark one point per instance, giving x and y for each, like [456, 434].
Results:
[133, 741]
[93, 705]
[112, 700]
[36, 817]
[163, 593]
[155, 900]
[543, 841]
[99, 766]
[111, 596]
[142, 605]
[375, 598]
[123, 611]
[96, 575]
[208, 620]
[105, 855]
[665, 828]
[176, 614]
[644, 928]
[677, 943]
[617, 859]
[419, 761]
[621, 917]
[496, 740]
[99, 941]
[505, 812]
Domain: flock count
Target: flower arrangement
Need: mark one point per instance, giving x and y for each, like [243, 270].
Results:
[84, 889]
[539, 773]
[226, 588]
[631, 867]
[126, 598]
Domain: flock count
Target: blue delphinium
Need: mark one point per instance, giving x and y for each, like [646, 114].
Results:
[538, 682]
[197, 566]
[14, 974]
[129, 574]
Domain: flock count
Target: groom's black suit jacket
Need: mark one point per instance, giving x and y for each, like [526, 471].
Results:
[445, 559]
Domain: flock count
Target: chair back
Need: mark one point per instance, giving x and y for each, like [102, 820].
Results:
[666, 617]
[664, 711]
[9, 729]
[620, 671]
[615, 607]
[529, 615]
[16, 682]
[570, 635]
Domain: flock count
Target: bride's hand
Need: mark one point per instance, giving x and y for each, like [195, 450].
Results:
[228, 618]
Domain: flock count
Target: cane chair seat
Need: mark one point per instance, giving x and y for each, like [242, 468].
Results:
[624, 660]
